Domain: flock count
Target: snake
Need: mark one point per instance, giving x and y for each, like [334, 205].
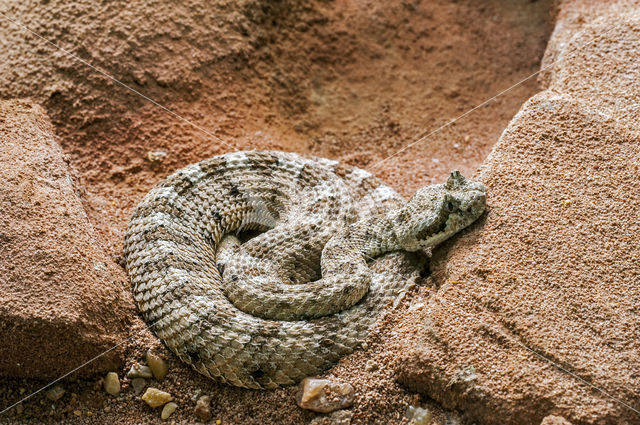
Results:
[261, 268]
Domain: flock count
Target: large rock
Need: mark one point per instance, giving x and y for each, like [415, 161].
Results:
[573, 17]
[61, 298]
[538, 307]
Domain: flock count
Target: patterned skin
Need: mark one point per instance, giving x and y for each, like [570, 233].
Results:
[257, 268]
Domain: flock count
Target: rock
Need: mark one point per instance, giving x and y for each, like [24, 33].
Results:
[156, 156]
[196, 395]
[202, 410]
[158, 366]
[138, 385]
[547, 281]
[570, 20]
[62, 298]
[55, 393]
[554, 420]
[324, 395]
[139, 371]
[155, 397]
[418, 416]
[168, 410]
[371, 366]
[112, 384]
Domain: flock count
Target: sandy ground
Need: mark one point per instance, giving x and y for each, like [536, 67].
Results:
[353, 81]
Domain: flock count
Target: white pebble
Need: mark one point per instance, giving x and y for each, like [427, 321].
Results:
[324, 395]
[112, 383]
[202, 408]
[167, 410]
[156, 156]
[139, 371]
[418, 416]
[371, 366]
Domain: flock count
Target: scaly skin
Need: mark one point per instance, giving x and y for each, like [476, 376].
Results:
[291, 301]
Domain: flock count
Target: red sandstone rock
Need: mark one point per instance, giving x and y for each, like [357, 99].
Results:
[547, 283]
[60, 296]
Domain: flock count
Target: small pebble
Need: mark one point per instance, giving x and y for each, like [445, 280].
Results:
[158, 366]
[167, 410]
[156, 156]
[112, 384]
[196, 394]
[19, 409]
[418, 416]
[55, 393]
[371, 366]
[139, 371]
[202, 408]
[77, 412]
[155, 397]
[324, 395]
[138, 385]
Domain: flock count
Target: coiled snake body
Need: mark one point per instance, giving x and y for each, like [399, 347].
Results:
[253, 266]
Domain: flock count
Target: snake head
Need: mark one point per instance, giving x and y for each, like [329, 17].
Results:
[434, 213]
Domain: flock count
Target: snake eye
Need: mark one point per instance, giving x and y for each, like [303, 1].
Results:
[450, 206]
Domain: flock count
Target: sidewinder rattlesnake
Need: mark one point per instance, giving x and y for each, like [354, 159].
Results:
[293, 292]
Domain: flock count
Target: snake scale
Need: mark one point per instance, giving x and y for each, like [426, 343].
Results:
[256, 267]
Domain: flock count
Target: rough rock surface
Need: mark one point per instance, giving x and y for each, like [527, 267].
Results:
[543, 295]
[573, 16]
[61, 297]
